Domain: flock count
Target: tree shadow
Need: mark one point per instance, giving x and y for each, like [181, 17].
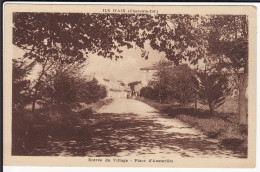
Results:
[126, 134]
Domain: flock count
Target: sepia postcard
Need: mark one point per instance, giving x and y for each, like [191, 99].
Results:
[129, 86]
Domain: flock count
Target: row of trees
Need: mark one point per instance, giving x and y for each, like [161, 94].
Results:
[185, 85]
[57, 89]
[60, 85]
[69, 37]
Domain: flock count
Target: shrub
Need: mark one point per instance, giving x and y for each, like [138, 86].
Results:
[149, 93]
[213, 90]
[173, 83]
[71, 90]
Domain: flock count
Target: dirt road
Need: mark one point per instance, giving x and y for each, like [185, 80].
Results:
[128, 127]
[147, 132]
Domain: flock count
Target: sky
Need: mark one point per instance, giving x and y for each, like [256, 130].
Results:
[126, 69]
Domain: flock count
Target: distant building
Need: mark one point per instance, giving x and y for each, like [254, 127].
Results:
[147, 74]
[115, 89]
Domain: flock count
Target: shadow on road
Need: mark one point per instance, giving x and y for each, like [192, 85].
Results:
[109, 134]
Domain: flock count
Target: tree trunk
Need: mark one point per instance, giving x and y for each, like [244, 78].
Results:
[242, 105]
[195, 103]
[34, 99]
[212, 108]
[160, 99]
[37, 85]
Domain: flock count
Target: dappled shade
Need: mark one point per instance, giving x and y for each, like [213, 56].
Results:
[126, 134]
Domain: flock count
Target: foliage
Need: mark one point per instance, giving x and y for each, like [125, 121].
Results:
[149, 93]
[183, 83]
[174, 83]
[21, 84]
[180, 37]
[229, 38]
[161, 83]
[176, 35]
[50, 34]
[69, 89]
[65, 89]
[69, 37]
[213, 89]
[92, 91]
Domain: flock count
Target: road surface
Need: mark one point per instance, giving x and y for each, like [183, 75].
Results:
[128, 127]
[152, 133]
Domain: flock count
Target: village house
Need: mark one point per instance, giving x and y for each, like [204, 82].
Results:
[147, 74]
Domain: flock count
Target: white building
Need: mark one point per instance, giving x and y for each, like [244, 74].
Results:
[147, 74]
[115, 89]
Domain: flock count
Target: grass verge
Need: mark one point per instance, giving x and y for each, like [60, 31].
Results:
[222, 126]
[49, 124]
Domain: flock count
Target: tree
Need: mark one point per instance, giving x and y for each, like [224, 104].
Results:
[229, 38]
[60, 78]
[70, 90]
[161, 81]
[193, 37]
[174, 83]
[213, 89]
[65, 85]
[183, 84]
[180, 37]
[21, 84]
[48, 37]
[91, 91]
[71, 36]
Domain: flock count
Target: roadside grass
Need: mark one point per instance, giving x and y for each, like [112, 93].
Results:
[101, 103]
[94, 106]
[49, 124]
[222, 126]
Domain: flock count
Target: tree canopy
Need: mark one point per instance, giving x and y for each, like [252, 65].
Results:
[46, 35]
[70, 37]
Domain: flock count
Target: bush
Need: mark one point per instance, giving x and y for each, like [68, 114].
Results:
[149, 93]
[91, 91]
[49, 123]
[71, 90]
[172, 84]
[213, 89]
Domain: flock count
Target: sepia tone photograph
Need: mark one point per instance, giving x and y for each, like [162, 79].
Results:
[129, 85]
